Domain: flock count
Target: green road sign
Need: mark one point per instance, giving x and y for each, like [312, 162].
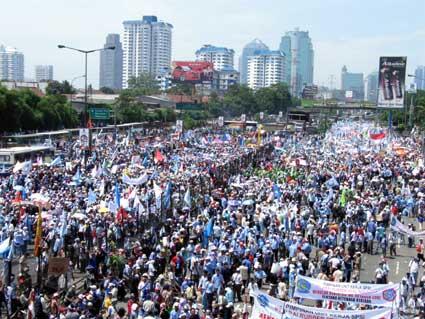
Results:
[100, 113]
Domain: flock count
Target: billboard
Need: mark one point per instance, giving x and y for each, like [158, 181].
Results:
[392, 78]
[84, 137]
[194, 72]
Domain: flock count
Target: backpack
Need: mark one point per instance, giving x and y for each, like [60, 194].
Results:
[418, 248]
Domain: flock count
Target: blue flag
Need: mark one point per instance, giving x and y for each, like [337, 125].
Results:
[208, 231]
[276, 191]
[117, 196]
[188, 199]
[167, 196]
[91, 198]
[77, 177]
[145, 162]
[63, 230]
[56, 161]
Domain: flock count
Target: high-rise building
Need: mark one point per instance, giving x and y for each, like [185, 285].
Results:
[221, 58]
[146, 47]
[265, 68]
[352, 82]
[299, 53]
[11, 64]
[43, 73]
[371, 87]
[224, 79]
[111, 63]
[250, 49]
[420, 78]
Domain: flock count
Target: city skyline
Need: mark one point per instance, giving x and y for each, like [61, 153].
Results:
[342, 33]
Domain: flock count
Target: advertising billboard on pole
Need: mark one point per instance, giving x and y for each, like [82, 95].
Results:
[392, 79]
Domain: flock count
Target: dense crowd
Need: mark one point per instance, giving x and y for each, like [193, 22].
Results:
[164, 227]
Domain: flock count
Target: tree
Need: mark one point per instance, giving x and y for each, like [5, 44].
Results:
[56, 87]
[144, 84]
[238, 100]
[181, 89]
[106, 90]
[24, 110]
[214, 105]
[273, 99]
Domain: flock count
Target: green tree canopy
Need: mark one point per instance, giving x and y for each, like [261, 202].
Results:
[56, 87]
[22, 110]
[144, 84]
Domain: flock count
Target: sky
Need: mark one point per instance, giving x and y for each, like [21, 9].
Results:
[344, 32]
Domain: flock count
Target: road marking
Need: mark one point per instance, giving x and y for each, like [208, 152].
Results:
[397, 268]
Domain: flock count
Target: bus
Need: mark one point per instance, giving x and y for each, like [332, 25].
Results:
[44, 138]
[10, 156]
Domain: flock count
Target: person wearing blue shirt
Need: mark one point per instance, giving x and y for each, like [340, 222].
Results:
[293, 250]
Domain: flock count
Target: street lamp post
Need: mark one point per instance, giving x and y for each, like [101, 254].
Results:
[86, 52]
[72, 82]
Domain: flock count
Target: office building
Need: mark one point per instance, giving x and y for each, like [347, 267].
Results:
[420, 78]
[299, 54]
[250, 49]
[221, 58]
[43, 73]
[352, 82]
[265, 68]
[224, 79]
[371, 87]
[111, 63]
[146, 47]
[11, 64]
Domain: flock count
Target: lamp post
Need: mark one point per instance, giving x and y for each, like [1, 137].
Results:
[86, 52]
[72, 82]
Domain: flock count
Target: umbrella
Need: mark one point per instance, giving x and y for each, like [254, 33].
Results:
[23, 203]
[233, 202]
[18, 188]
[79, 216]
[103, 210]
[248, 202]
[46, 215]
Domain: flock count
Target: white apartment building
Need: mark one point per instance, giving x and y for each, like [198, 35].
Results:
[43, 73]
[146, 47]
[222, 58]
[11, 64]
[265, 68]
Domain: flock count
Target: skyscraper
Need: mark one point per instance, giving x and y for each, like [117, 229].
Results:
[352, 82]
[146, 47]
[248, 50]
[111, 63]
[420, 78]
[299, 53]
[11, 64]
[265, 68]
[371, 87]
[222, 58]
[43, 73]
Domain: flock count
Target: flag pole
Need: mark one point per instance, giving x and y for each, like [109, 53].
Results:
[37, 247]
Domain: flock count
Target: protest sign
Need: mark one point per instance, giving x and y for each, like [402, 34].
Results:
[267, 307]
[357, 293]
[58, 265]
[399, 227]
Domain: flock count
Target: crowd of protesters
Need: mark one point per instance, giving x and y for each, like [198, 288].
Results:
[159, 226]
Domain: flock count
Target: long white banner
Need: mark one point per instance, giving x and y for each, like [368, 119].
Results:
[135, 181]
[399, 227]
[267, 307]
[358, 293]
